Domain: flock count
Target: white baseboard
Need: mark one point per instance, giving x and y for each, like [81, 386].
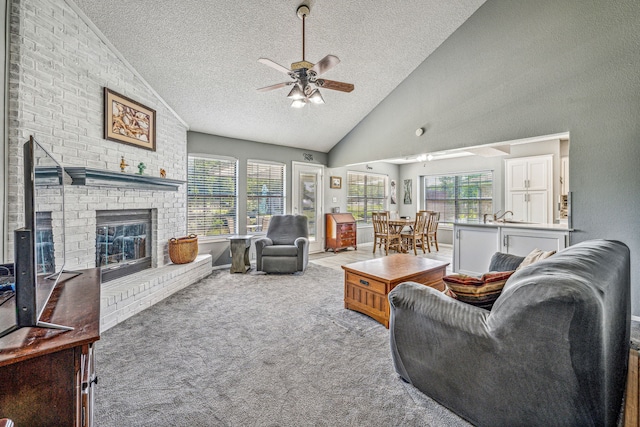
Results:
[635, 318]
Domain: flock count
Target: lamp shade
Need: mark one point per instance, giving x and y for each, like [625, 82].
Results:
[299, 103]
[296, 93]
[316, 97]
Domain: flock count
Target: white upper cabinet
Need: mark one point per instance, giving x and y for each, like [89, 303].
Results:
[529, 188]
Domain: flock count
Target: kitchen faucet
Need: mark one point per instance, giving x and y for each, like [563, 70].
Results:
[501, 217]
[495, 216]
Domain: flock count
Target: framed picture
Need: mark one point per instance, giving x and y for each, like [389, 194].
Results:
[336, 182]
[393, 192]
[407, 191]
[128, 121]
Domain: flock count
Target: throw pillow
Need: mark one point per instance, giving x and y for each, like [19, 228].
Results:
[534, 256]
[481, 292]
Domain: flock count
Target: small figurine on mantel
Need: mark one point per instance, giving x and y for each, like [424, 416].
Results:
[123, 164]
[141, 168]
[163, 173]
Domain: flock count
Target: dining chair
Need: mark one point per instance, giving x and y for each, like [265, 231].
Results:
[431, 233]
[382, 233]
[416, 236]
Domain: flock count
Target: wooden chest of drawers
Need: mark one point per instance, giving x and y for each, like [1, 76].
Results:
[341, 231]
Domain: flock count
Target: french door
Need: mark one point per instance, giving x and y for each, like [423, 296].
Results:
[307, 198]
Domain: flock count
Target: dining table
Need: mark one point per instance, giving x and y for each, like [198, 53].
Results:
[398, 224]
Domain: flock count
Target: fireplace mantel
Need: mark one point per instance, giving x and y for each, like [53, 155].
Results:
[105, 178]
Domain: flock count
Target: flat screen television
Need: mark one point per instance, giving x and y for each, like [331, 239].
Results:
[39, 247]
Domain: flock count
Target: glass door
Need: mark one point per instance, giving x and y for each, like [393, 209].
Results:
[307, 200]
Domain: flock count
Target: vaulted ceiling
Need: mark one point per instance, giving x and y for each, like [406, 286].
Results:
[201, 57]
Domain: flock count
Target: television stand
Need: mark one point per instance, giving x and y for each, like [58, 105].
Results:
[47, 376]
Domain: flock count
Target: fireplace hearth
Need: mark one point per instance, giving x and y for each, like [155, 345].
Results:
[123, 242]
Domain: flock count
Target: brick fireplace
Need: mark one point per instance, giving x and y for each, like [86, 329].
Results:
[58, 75]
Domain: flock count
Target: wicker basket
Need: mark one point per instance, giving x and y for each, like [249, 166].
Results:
[183, 249]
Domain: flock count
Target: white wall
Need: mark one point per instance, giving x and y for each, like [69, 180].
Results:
[56, 80]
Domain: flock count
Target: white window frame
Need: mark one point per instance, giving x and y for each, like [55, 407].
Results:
[460, 212]
[225, 224]
[370, 204]
[259, 222]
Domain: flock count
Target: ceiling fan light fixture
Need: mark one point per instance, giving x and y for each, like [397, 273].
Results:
[296, 93]
[316, 97]
[298, 103]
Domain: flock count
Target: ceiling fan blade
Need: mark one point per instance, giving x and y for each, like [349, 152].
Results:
[272, 87]
[325, 64]
[270, 63]
[334, 85]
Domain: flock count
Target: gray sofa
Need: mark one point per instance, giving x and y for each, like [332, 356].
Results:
[286, 247]
[553, 350]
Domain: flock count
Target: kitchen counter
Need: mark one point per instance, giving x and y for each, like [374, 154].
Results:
[516, 224]
[474, 244]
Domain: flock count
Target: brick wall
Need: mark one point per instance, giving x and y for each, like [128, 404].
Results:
[58, 68]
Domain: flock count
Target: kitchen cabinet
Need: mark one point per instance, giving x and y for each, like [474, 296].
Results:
[521, 242]
[529, 188]
[475, 244]
[473, 248]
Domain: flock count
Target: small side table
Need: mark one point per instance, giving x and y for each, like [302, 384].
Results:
[240, 253]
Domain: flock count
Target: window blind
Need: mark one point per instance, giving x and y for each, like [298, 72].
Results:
[212, 196]
[366, 193]
[463, 197]
[265, 193]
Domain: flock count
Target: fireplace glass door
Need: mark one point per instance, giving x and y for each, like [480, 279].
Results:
[123, 242]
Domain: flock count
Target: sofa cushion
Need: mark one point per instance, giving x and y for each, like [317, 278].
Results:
[280, 250]
[504, 262]
[481, 292]
[535, 256]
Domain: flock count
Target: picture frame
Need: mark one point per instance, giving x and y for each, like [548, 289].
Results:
[128, 122]
[408, 191]
[335, 182]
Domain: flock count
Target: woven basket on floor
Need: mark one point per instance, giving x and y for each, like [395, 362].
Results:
[183, 249]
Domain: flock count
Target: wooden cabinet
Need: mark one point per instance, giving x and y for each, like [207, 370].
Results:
[47, 375]
[341, 231]
[367, 283]
[529, 188]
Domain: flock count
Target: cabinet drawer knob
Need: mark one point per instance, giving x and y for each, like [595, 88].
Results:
[364, 282]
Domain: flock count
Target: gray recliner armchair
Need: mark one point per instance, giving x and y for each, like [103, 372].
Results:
[553, 350]
[286, 247]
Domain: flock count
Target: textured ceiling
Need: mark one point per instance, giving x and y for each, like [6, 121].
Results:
[201, 57]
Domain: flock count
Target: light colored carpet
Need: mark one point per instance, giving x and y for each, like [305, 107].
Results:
[256, 350]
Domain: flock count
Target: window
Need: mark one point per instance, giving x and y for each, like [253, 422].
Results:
[212, 197]
[366, 193]
[265, 193]
[464, 197]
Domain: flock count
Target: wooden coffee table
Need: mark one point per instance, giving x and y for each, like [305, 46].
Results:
[367, 283]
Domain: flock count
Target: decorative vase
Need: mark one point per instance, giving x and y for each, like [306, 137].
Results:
[183, 250]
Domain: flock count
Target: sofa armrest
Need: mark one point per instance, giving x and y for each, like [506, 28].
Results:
[425, 316]
[302, 243]
[260, 244]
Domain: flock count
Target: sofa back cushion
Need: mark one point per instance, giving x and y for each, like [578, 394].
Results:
[285, 229]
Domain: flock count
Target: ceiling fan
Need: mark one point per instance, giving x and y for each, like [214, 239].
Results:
[304, 75]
